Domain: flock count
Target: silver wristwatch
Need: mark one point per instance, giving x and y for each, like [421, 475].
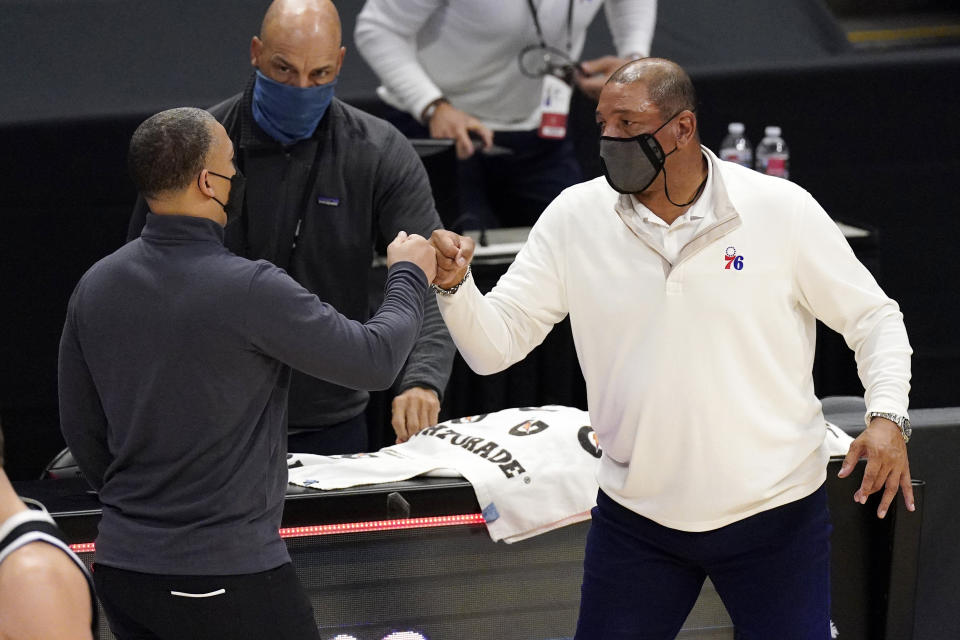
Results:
[902, 423]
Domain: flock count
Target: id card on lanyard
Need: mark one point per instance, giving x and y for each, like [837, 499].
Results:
[556, 94]
[554, 108]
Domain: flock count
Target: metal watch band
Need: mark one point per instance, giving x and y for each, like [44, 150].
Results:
[902, 423]
[452, 290]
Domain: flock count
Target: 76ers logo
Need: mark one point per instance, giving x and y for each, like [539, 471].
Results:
[731, 258]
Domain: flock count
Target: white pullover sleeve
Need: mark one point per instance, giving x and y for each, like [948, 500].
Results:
[631, 23]
[839, 291]
[496, 330]
[386, 35]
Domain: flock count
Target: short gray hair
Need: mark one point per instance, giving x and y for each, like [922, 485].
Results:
[668, 85]
[169, 149]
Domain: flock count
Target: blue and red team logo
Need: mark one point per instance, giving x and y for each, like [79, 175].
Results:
[732, 259]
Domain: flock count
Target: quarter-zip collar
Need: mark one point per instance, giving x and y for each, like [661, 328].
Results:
[727, 218]
[181, 228]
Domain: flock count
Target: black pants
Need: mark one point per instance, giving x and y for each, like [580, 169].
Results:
[349, 436]
[142, 606]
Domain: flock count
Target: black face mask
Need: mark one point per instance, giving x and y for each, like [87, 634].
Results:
[632, 164]
[238, 185]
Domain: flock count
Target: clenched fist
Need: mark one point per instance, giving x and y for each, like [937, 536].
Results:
[415, 249]
[453, 255]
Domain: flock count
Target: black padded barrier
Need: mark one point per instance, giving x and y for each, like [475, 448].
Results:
[455, 582]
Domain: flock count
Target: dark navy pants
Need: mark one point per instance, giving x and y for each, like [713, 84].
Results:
[772, 571]
[349, 436]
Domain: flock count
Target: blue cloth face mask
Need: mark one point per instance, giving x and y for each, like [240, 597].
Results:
[288, 114]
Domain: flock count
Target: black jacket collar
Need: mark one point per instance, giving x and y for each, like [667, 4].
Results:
[181, 228]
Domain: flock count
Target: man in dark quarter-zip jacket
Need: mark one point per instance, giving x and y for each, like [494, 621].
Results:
[175, 364]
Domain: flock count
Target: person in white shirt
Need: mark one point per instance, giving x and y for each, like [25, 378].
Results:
[693, 286]
[451, 69]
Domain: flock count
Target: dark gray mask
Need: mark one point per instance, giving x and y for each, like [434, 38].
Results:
[632, 164]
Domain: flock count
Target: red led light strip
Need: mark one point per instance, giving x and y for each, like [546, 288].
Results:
[354, 527]
[382, 525]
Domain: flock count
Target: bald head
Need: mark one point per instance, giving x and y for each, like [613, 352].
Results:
[306, 18]
[668, 86]
[299, 43]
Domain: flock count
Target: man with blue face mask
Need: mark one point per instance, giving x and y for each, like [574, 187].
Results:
[693, 288]
[325, 184]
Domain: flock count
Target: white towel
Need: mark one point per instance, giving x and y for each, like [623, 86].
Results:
[836, 442]
[533, 469]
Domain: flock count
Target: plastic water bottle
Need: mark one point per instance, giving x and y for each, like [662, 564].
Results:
[773, 157]
[735, 147]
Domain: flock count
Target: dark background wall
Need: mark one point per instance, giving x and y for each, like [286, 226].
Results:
[88, 58]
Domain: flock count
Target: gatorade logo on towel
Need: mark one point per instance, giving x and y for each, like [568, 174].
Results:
[528, 428]
[588, 440]
[469, 419]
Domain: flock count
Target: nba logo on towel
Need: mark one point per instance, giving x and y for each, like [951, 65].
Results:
[528, 428]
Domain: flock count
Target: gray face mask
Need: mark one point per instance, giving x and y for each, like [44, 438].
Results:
[632, 164]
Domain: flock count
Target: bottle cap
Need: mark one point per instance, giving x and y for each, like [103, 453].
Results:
[772, 132]
[736, 128]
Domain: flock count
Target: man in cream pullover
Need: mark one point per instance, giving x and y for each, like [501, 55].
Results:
[693, 295]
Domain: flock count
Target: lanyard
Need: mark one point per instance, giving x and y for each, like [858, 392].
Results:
[536, 23]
